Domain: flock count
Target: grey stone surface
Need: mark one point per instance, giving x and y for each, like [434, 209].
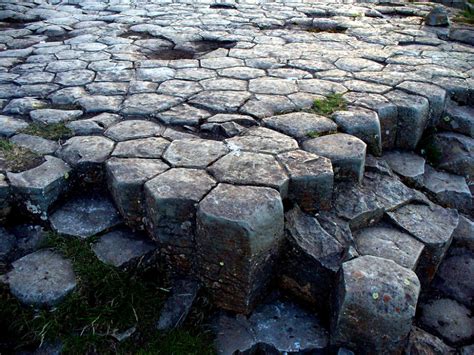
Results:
[421, 342]
[126, 178]
[84, 152]
[431, 225]
[85, 216]
[276, 327]
[374, 291]
[9, 126]
[387, 242]
[152, 147]
[301, 125]
[122, 248]
[23, 106]
[437, 17]
[194, 153]
[447, 189]
[40, 187]
[458, 119]
[262, 140]
[311, 179]
[447, 319]
[409, 166]
[133, 129]
[346, 152]
[247, 168]
[463, 235]
[178, 304]
[42, 278]
[171, 203]
[94, 125]
[50, 116]
[239, 229]
[35, 144]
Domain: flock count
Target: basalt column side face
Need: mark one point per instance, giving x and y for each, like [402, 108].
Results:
[239, 231]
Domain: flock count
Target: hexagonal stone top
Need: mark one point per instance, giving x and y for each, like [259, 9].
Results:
[194, 153]
[178, 183]
[133, 129]
[152, 147]
[252, 212]
[42, 278]
[120, 248]
[133, 170]
[246, 168]
[85, 216]
[300, 125]
[82, 150]
[262, 140]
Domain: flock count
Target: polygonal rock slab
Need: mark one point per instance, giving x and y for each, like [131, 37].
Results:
[375, 304]
[262, 140]
[448, 319]
[42, 278]
[95, 125]
[85, 216]
[311, 179]
[220, 101]
[301, 125]
[463, 235]
[9, 126]
[251, 169]
[148, 104]
[447, 189]
[421, 342]
[239, 230]
[51, 116]
[347, 154]
[431, 225]
[84, 152]
[125, 181]
[413, 112]
[387, 242]
[171, 200]
[152, 147]
[40, 187]
[194, 153]
[281, 327]
[311, 259]
[409, 166]
[133, 129]
[122, 248]
[363, 124]
[36, 144]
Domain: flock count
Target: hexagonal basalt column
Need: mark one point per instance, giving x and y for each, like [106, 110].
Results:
[171, 200]
[239, 230]
[251, 169]
[194, 153]
[126, 178]
[375, 305]
[311, 179]
[347, 154]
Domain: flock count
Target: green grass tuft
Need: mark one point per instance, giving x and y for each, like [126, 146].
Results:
[55, 131]
[15, 158]
[106, 301]
[329, 105]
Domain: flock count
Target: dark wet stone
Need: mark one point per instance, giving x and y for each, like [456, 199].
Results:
[7, 245]
[424, 343]
[409, 166]
[178, 304]
[437, 17]
[463, 235]
[374, 306]
[85, 216]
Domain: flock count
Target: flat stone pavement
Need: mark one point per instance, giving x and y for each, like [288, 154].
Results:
[198, 117]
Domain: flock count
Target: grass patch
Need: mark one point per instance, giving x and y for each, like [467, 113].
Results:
[15, 158]
[55, 131]
[329, 105]
[466, 16]
[106, 301]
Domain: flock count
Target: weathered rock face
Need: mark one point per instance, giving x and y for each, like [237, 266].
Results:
[171, 203]
[421, 342]
[277, 327]
[311, 179]
[346, 152]
[437, 17]
[40, 187]
[374, 306]
[239, 231]
[85, 216]
[126, 178]
[190, 153]
[431, 225]
[463, 235]
[43, 278]
[311, 259]
[409, 166]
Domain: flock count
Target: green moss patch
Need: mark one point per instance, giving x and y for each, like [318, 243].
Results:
[329, 105]
[55, 131]
[105, 303]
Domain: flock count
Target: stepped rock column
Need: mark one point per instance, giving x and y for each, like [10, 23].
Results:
[239, 231]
